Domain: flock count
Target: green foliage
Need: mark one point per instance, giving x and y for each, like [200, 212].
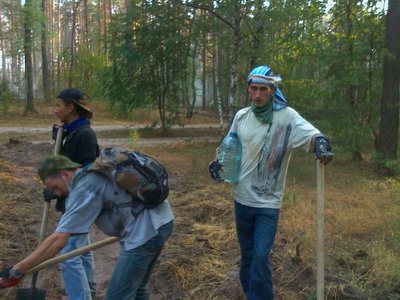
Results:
[330, 61]
[148, 58]
[354, 68]
[134, 137]
[388, 167]
[87, 66]
[6, 96]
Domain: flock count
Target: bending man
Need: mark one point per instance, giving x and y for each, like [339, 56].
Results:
[93, 198]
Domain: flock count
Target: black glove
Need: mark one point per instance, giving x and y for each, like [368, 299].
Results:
[214, 167]
[323, 149]
[60, 204]
[48, 194]
[54, 131]
[9, 277]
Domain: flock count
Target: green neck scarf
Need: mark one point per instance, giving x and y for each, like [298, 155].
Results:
[264, 113]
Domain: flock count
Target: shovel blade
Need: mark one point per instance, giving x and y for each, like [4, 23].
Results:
[31, 294]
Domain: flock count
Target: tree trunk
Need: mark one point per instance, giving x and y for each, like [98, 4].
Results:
[52, 45]
[389, 124]
[16, 67]
[29, 107]
[3, 50]
[234, 61]
[189, 112]
[45, 61]
[351, 89]
[85, 35]
[204, 73]
[100, 25]
[58, 46]
[72, 45]
[259, 32]
[110, 16]
[105, 13]
[217, 88]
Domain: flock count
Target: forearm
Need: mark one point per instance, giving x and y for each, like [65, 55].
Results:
[48, 249]
[312, 144]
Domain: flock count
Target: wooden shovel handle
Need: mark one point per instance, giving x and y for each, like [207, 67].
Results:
[45, 214]
[320, 230]
[79, 251]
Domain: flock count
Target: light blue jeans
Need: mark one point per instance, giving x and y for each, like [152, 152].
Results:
[78, 271]
[133, 268]
[256, 230]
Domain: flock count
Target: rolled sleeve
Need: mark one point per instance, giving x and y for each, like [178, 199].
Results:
[84, 204]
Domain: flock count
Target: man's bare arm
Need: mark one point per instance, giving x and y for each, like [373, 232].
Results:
[47, 249]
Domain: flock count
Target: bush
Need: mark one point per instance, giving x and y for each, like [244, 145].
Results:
[6, 96]
[388, 167]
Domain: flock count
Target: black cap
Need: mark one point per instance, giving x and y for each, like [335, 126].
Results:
[74, 96]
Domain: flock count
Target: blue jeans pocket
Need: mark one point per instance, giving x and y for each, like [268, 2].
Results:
[156, 243]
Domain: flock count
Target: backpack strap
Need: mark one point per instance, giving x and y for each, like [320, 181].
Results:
[82, 171]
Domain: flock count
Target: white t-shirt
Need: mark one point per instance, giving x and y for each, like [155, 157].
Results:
[266, 150]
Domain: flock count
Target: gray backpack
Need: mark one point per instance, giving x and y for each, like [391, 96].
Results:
[141, 175]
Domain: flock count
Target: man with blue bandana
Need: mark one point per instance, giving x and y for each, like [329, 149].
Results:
[268, 130]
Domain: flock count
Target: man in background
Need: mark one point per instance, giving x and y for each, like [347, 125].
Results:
[79, 143]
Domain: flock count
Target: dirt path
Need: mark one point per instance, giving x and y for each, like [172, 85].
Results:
[23, 153]
[97, 128]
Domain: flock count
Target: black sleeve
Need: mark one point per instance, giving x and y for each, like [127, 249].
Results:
[82, 147]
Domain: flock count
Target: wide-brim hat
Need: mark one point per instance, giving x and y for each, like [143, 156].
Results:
[74, 96]
[54, 163]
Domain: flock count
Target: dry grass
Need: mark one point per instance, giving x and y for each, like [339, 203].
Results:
[201, 259]
[361, 228]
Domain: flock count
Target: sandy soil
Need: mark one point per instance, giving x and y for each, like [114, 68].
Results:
[200, 260]
[97, 128]
[22, 154]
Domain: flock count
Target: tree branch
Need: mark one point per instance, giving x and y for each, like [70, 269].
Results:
[208, 8]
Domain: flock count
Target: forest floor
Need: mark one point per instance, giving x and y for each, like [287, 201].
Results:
[201, 259]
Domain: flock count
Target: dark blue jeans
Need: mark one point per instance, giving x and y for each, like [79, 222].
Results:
[133, 268]
[256, 229]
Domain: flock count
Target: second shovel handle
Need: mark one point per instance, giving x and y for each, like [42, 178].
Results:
[72, 253]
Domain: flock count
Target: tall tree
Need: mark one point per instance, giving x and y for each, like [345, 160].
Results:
[45, 61]
[390, 101]
[28, 24]
[2, 49]
[75, 6]
[204, 62]
[149, 57]
[16, 40]
[349, 61]
[85, 23]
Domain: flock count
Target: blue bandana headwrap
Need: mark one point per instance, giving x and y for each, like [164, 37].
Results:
[264, 75]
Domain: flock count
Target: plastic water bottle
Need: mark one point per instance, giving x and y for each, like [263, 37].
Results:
[230, 155]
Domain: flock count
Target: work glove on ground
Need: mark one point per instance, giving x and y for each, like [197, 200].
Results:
[322, 149]
[9, 277]
[48, 194]
[214, 167]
